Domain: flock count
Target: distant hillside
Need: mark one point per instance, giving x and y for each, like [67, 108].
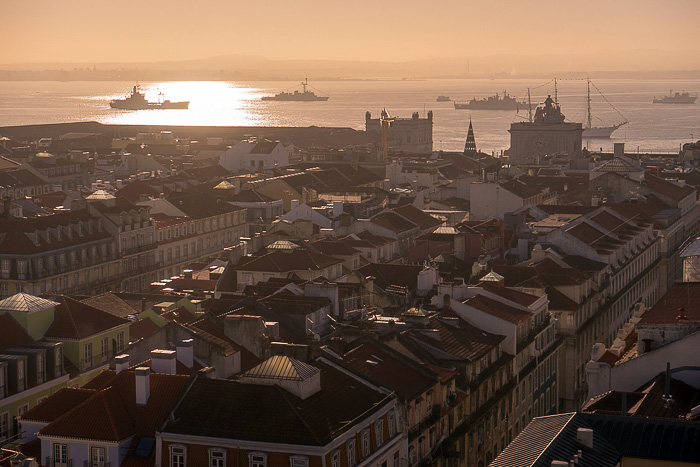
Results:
[624, 64]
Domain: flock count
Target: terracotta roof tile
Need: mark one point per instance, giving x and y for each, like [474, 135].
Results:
[11, 333]
[77, 320]
[498, 309]
[60, 402]
[270, 414]
[402, 376]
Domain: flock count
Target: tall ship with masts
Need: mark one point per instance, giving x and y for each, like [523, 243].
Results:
[601, 132]
[304, 96]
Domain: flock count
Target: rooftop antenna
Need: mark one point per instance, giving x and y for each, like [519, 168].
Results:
[556, 100]
[529, 106]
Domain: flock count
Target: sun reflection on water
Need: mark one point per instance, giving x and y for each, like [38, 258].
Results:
[212, 103]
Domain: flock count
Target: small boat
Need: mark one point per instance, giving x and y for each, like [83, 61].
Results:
[677, 98]
[495, 102]
[304, 96]
[444, 99]
[136, 100]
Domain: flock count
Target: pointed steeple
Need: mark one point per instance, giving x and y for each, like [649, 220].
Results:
[470, 146]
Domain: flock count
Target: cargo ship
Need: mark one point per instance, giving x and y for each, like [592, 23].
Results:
[136, 100]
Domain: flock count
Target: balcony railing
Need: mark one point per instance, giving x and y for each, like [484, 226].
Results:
[139, 249]
[52, 462]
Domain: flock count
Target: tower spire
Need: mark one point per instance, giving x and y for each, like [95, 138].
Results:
[470, 146]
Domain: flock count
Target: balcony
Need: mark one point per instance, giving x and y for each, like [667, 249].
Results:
[53, 462]
[138, 249]
[424, 424]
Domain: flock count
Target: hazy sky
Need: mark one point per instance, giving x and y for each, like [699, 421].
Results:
[387, 30]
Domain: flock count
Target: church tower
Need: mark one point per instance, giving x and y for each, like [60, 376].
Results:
[470, 146]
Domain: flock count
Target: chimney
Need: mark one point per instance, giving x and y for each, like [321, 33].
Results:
[185, 352]
[208, 372]
[585, 437]
[293, 204]
[143, 304]
[618, 149]
[187, 273]
[143, 385]
[446, 301]
[163, 361]
[121, 362]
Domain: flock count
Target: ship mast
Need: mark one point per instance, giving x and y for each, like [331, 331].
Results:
[589, 103]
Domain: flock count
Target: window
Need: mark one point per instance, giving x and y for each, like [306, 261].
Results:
[97, 456]
[396, 459]
[365, 443]
[88, 355]
[104, 346]
[21, 375]
[350, 447]
[392, 424]
[379, 432]
[4, 425]
[178, 456]
[299, 461]
[120, 341]
[257, 459]
[40, 369]
[60, 455]
[335, 458]
[217, 458]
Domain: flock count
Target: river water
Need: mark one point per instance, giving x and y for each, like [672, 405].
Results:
[651, 127]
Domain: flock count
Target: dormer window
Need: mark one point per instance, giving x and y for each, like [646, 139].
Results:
[379, 432]
[257, 459]
[178, 456]
[365, 443]
[300, 461]
[217, 457]
[350, 448]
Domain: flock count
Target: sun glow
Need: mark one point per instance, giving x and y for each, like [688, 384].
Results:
[212, 103]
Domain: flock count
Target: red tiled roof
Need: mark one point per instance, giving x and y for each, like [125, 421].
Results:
[103, 416]
[59, 403]
[180, 315]
[11, 333]
[418, 217]
[516, 296]
[77, 320]
[142, 328]
[110, 303]
[498, 309]
[393, 222]
[465, 341]
[667, 188]
[135, 189]
[390, 371]
[214, 332]
[111, 414]
[271, 414]
[666, 310]
[14, 239]
[299, 259]
[385, 275]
